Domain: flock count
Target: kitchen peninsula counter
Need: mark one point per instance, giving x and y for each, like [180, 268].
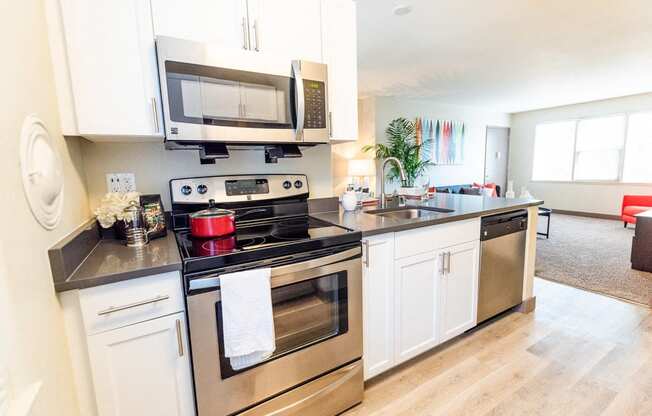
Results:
[463, 207]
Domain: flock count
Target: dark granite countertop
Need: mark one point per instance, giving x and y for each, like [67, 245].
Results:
[111, 261]
[463, 206]
[84, 260]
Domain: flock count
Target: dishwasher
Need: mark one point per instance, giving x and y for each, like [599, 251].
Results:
[502, 263]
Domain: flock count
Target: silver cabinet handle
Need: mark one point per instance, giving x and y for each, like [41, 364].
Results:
[113, 309]
[330, 124]
[256, 42]
[442, 269]
[157, 128]
[448, 262]
[245, 34]
[365, 243]
[179, 338]
[301, 101]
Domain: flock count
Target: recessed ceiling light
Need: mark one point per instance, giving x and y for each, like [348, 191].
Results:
[402, 9]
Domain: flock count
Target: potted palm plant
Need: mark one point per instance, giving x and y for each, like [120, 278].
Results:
[403, 145]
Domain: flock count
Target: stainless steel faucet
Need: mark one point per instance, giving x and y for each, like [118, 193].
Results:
[383, 201]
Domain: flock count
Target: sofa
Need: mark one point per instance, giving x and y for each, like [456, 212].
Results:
[468, 189]
[635, 204]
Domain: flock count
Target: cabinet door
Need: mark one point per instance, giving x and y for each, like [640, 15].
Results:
[288, 27]
[340, 53]
[416, 295]
[459, 289]
[112, 61]
[143, 369]
[378, 298]
[211, 21]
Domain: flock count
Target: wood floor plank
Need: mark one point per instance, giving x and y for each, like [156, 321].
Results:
[578, 354]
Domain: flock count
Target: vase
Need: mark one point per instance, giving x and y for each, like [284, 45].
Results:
[349, 201]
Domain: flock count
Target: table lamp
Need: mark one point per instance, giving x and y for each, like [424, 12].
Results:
[361, 169]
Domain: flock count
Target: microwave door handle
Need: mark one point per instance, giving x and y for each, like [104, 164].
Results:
[301, 99]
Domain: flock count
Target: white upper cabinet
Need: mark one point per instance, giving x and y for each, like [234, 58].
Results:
[340, 53]
[105, 66]
[378, 317]
[288, 27]
[113, 78]
[459, 289]
[213, 21]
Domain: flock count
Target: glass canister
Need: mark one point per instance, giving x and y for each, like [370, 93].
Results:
[135, 225]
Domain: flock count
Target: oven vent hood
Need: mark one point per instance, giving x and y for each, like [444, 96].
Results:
[211, 151]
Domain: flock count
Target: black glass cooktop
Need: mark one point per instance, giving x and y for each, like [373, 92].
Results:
[261, 240]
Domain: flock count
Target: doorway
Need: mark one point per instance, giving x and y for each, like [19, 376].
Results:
[496, 157]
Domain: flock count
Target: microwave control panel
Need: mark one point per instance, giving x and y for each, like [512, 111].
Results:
[315, 96]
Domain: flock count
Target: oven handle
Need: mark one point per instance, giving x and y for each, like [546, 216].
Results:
[212, 281]
[301, 99]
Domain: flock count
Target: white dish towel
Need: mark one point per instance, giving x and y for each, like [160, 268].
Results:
[247, 317]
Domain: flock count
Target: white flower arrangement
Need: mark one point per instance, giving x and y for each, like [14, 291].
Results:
[112, 207]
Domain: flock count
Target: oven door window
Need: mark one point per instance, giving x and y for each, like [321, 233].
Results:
[200, 94]
[305, 313]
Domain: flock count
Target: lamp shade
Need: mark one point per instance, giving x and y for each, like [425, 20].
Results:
[362, 167]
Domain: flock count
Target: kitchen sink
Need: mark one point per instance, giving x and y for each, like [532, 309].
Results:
[409, 213]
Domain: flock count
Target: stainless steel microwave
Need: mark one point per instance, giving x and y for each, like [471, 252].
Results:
[217, 94]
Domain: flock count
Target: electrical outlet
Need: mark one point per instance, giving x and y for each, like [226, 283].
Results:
[120, 182]
[112, 182]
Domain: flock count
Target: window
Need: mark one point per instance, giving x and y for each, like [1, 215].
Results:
[598, 148]
[595, 149]
[638, 152]
[553, 151]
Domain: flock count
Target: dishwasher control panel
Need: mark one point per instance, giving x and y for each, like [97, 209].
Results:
[503, 224]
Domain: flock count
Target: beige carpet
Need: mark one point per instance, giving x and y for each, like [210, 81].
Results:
[592, 254]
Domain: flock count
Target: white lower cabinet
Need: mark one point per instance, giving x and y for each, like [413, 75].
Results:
[378, 289]
[415, 300]
[143, 369]
[420, 289]
[458, 300]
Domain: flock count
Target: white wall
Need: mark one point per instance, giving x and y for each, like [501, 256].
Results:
[594, 198]
[154, 166]
[36, 342]
[343, 152]
[476, 120]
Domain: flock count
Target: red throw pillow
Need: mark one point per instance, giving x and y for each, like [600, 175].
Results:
[488, 185]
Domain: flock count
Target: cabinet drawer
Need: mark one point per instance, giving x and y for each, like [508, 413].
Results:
[125, 303]
[423, 240]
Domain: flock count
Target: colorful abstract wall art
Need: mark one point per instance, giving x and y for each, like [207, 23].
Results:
[446, 140]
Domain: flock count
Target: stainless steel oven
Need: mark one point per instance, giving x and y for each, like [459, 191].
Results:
[212, 93]
[316, 368]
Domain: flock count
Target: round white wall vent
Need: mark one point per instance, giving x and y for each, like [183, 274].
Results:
[42, 171]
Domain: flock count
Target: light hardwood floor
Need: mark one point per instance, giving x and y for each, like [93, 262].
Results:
[579, 353]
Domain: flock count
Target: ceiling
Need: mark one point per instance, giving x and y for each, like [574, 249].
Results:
[505, 55]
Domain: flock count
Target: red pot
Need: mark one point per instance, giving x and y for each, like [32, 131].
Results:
[212, 222]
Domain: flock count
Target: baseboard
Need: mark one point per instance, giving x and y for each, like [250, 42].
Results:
[528, 305]
[587, 214]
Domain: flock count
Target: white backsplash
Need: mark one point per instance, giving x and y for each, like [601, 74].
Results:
[154, 167]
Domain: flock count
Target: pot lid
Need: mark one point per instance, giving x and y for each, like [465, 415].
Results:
[212, 212]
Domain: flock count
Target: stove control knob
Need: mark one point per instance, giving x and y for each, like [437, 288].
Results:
[298, 184]
[186, 190]
[202, 189]
[287, 184]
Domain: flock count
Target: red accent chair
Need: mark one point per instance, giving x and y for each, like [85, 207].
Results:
[635, 204]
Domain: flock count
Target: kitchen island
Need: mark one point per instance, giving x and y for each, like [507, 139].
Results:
[421, 272]
[462, 207]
